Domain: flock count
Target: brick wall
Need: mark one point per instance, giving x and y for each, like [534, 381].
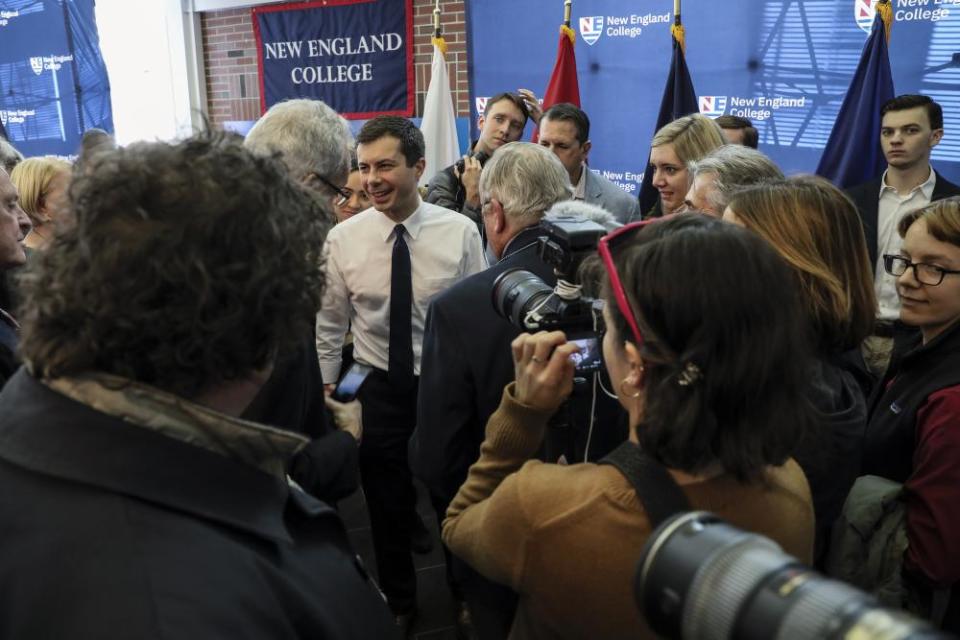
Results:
[229, 56]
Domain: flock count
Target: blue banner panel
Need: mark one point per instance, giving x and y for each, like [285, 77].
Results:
[785, 64]
[355, 55]
[53, 83]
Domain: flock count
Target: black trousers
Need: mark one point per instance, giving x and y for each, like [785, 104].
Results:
[389, 416]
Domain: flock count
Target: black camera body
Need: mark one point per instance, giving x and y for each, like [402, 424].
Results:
[531, 305]
[479, 155]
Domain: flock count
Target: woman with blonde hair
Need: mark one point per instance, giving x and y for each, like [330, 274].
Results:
[816, 229]
[42, 184]
[684, 140]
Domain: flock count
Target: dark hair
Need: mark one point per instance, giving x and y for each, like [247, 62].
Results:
[910, 101]
[715, 296]
[751, 138]
[354, 165]
[512, 97]
[566, 112]
[189, 265]
[412, 145]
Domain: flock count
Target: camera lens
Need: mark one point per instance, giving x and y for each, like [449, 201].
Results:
[702, 578]
[517, 292]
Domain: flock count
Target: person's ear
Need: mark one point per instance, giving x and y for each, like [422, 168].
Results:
[935, 137]
[586, 149]
[499, 215]
[419, 167]
[635, 377]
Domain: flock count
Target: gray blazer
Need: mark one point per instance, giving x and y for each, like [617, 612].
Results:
[604, 193]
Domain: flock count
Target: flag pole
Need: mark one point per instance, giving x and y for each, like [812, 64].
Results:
[567, 10]
[677, 28]
[437, 32]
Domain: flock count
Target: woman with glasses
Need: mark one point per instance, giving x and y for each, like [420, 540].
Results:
[913, 436]
[350, 199]
[687, 299]
[817, 231]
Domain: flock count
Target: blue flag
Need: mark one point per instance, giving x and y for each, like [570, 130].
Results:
[852, 155]
[679, 99]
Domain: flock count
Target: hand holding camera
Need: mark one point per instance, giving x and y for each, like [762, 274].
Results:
[544, 370]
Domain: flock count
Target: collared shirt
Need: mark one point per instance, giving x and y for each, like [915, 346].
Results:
[891, 209]
[580, 189]
[444, 248]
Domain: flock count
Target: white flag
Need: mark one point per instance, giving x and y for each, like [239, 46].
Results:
[439, 124]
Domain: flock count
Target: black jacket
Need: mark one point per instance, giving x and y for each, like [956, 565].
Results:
[110, 530]
[867, 198]
[830, 454]
[293, 399]
[465, 365]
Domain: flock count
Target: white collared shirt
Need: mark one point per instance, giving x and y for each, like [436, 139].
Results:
[891, 209]
[580, 189]
[444, 248]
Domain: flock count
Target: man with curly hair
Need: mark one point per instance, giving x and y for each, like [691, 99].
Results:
[136, 502]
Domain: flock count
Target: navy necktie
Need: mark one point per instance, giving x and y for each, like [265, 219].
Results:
[400, 356]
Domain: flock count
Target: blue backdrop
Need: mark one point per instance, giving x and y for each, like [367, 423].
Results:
[785, 64]
[53, 83]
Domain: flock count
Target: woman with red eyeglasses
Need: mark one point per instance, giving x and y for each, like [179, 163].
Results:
[688, 301]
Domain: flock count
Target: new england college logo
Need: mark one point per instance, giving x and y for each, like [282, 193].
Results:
[864, 11]
[36, 63]
[591, 28]
[481, 104]
[713, 106]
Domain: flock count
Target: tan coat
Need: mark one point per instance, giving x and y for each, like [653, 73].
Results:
[567, 538]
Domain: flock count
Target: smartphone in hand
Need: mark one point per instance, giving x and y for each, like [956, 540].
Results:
[349, 385]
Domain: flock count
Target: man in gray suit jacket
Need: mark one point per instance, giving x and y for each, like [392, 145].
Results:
[565, 130]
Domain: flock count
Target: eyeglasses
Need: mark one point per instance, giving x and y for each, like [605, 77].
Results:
[604, 249]
[929, 274]
[343, 196]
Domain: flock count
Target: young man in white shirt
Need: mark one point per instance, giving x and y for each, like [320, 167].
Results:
[911, 127]
[383, 266]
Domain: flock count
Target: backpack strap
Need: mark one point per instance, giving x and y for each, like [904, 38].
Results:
[656, 489]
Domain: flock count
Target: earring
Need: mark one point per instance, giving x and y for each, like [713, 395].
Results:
[627, 395]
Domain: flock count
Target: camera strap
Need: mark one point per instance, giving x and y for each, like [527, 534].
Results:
[656, 489]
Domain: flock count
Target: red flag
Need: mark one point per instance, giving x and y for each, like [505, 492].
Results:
[563, 86]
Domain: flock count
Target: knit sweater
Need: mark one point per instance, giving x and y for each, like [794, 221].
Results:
[567, 538]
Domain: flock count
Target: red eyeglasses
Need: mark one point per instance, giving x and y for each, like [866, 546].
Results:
[611, 239]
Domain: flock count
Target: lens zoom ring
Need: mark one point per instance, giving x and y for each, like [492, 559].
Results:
[723, 583]
[817, 609]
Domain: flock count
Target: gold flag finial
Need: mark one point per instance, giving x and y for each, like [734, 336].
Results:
[567, 11]
[886, 15]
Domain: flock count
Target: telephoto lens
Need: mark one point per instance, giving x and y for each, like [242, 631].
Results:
[700, 578]
[520, 296]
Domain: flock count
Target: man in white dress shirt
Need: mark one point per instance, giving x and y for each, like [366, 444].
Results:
[383, 266]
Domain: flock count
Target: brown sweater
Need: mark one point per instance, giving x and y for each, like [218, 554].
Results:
[567, 538]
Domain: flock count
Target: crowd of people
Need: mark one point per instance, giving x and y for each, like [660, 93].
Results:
[175, 318]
